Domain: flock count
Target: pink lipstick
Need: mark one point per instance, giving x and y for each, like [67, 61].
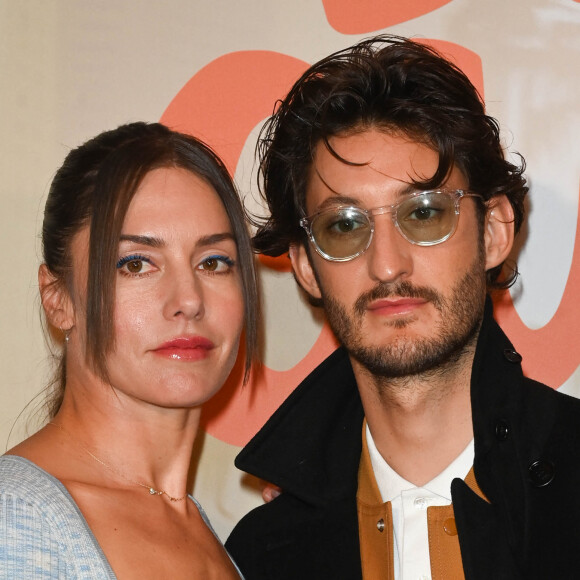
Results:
[186, 348]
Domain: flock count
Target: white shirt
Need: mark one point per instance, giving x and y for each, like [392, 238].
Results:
[409, 504]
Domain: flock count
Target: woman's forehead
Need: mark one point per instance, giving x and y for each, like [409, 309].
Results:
[173, 200]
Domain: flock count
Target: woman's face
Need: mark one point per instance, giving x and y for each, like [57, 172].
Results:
[179, 308]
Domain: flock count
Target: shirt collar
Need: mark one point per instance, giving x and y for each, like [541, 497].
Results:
[391, 484]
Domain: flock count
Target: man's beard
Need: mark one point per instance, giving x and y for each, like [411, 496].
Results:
[460, 317]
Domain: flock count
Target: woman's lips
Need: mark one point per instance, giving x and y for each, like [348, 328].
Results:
[185, 348]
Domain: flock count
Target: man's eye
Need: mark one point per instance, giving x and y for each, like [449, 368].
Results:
[345, 224]
[424, 213]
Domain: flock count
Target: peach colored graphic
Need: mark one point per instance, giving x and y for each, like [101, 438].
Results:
[551, 353]
[350, 17]
[221, 104]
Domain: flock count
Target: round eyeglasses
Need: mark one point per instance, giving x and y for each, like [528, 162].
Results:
[425, 218]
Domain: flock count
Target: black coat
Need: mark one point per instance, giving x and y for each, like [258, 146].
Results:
[527, 463]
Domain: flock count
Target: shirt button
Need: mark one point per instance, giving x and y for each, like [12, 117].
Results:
[450, 527]
[420, 503]
[381, 525]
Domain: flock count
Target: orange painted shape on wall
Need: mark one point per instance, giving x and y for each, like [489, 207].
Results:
[225, 100]
[348, 17]
[278, 264]
[467, 60]
[551, 353]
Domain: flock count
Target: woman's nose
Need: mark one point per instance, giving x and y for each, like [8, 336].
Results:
[184, 297]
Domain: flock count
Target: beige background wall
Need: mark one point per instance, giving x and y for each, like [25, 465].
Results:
[72, 68]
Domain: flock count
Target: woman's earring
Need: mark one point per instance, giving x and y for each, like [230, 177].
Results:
[66, 332]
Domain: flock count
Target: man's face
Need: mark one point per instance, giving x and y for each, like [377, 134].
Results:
[399, 308]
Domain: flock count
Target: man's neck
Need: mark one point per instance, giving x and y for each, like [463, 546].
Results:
[420, 423]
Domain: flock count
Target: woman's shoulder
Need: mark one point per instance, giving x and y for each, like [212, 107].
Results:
[40, 522]
[22, 479]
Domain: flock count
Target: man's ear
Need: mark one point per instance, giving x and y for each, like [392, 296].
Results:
[499, 231]
[55, 299]
[303, 270]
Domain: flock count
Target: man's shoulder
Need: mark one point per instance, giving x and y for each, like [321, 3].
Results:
[534, 389]
[289, 538]
[317, 426]
[550, 420]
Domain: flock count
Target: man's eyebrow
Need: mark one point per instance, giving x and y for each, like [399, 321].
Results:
[335, 200]
[408, 189]
[143, 240]
[338, 200]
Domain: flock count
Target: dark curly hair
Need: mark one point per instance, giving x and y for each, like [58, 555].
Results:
[397, 85]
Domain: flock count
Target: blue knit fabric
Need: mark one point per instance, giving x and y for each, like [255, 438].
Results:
[43, 534]
[42, 531]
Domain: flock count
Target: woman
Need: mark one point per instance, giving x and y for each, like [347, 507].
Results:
[148, 273]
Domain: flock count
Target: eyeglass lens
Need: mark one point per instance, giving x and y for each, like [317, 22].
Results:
[425, 219]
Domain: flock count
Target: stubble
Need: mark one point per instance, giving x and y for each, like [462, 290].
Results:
[406, 355]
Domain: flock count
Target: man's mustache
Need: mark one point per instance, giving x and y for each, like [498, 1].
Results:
[398, 290]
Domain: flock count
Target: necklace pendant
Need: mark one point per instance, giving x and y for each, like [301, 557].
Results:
[153, 491]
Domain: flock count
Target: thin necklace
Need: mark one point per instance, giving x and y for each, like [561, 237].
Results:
[152, 490]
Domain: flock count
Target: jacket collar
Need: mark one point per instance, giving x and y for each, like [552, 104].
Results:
[311, 445]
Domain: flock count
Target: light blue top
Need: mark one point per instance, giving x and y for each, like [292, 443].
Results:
[42, 531]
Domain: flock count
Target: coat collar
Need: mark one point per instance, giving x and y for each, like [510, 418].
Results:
[311, 445]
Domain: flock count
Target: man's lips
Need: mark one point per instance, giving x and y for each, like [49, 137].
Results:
[185, 348]
[395, 306]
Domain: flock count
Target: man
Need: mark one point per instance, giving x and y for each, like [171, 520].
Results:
[418, 449]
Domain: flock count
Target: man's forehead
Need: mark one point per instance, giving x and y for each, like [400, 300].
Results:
[372, 157]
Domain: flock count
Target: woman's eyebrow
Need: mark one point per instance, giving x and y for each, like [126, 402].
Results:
[214, 238]
[143, 240]
[159, 243]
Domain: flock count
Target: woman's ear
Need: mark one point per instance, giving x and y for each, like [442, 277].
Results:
[303, 271]
[499, 231]
[55, 299]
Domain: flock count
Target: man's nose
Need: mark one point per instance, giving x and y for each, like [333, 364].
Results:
[389, 256]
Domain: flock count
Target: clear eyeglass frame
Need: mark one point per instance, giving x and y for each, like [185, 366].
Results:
[414, 201]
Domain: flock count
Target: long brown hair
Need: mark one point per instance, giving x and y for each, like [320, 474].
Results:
[94, 187]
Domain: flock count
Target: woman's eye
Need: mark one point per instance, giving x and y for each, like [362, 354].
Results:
[217, 264]
[134, 265]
